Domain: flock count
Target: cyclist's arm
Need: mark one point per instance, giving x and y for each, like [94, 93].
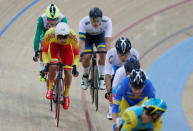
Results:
[158, 125]
[107, 43]
[108, 34]
[81, 45]
[134, 53]
[75, 49]
[108, 70]
[119, 75]
[64, 19]
[82, 36]
[130, 120]
[45, 49]
[117, 100]
[39, 29]
[151, 92]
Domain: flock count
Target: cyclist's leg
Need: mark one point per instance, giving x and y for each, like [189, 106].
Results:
[87, 57]
[100, 44]
[86, 61]
[54, 49]
[42, 75]
[67, 59]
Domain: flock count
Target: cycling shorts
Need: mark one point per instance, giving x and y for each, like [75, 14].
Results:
[98, 40]
[66, 54]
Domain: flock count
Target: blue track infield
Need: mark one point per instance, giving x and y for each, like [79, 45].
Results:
[169, 74]
[17, 16]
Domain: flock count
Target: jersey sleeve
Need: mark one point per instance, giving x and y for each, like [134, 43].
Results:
[119, 75]
[135, 54]
[75, 48]
[151, 92]
[64, 19]
[130, 120]
[108, 32]
[118, 97]
[82, 31]
[108, 64]
[45, 48]
[158, 125]
[39, 29]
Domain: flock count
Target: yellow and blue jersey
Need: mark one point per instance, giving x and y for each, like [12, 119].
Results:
[131, 120]
[124, 97]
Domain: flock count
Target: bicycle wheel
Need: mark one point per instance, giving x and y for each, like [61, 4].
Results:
[58, 101]
[96, 86]
[55, 99]
[51, 105]
[91, 81]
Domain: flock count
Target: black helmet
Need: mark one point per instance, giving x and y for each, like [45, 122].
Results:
[137, 78]
[123, 45]
[131, 64]
[95, 12]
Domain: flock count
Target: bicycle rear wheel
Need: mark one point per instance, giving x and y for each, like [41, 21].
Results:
[96, 86]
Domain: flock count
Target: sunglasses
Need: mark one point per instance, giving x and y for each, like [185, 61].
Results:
[50, 19]
[95, 19]
[62, 36]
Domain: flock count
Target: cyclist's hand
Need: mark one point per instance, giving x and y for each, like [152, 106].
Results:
[35, 59]
[81, 56]
[75, 73]
[108, 95]
[46, 70]
[36, 56]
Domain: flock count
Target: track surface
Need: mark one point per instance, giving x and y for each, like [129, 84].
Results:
[22, 96]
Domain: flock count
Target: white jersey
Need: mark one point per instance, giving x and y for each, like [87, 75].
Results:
[112, 58]
[85, 26]
[119, 75]
[46, 24]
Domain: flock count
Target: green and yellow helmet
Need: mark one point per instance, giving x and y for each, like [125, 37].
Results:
[52, 12]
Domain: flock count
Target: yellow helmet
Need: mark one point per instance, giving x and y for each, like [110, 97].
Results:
[52, 12]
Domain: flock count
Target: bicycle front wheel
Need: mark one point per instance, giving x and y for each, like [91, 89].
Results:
[58, 101]
[96, 86]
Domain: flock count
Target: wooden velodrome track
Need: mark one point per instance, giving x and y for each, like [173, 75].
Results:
[22, 96]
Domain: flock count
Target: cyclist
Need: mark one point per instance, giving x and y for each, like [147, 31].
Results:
[125, 70]
[61, 40]
[133, 90]
[94, 29]
[49, 19]
[146, 117]
[121, 73]
[115, 58]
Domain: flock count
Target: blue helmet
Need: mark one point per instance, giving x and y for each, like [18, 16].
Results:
[131, 64]
[155, 106]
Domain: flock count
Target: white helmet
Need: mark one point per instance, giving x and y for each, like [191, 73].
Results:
[62, 29]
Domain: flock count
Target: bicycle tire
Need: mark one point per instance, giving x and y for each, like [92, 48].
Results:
[51, 105]
[96, 86]
[56, 97]
[92, 83]
[58, 101]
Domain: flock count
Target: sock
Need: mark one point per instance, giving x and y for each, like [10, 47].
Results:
[86, 70]
[50, 84]
[66, 92]
[102, 70]
[42, 66]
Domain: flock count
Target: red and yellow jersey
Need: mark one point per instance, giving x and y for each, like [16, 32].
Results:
[50, 37]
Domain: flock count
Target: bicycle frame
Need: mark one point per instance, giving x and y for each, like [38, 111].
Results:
[94, 77]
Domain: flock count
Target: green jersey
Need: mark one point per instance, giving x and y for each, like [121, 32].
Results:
[43, 26]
